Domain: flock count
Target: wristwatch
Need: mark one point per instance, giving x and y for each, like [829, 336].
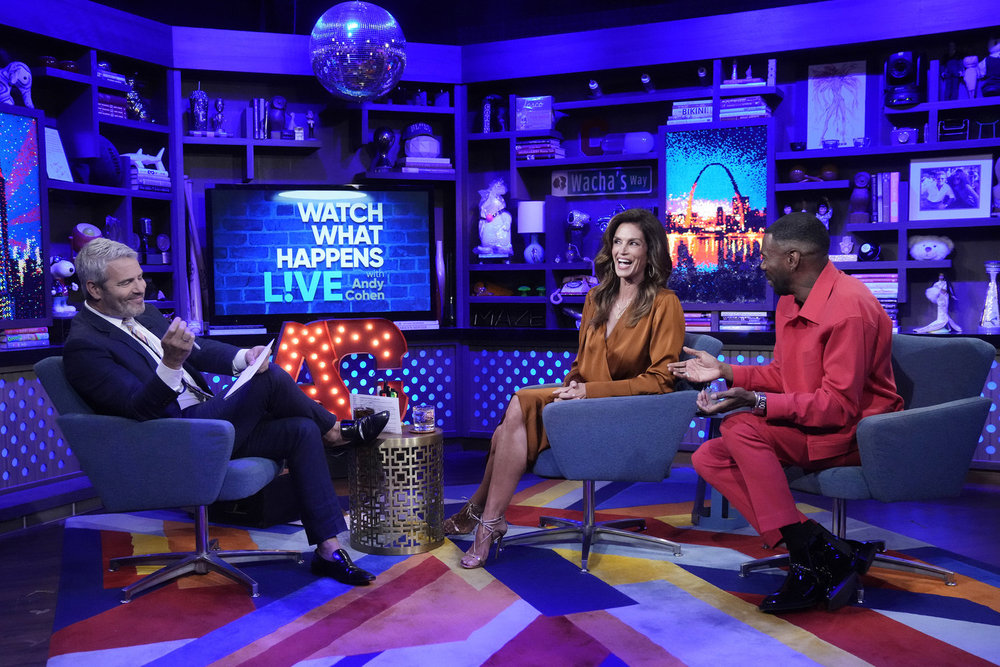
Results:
[759, 404]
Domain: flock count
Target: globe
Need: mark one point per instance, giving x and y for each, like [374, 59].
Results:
[358, 51]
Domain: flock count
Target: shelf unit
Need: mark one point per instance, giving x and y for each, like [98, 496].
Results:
[70, 101]
[493, 155]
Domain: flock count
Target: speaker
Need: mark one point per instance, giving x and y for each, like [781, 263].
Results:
[904, 78]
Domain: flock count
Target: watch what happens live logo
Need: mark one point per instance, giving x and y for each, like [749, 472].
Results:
[345, 236]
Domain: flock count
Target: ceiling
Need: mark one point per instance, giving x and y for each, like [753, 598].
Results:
[454, 22]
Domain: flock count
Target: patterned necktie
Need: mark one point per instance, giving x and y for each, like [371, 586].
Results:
[186, 381]
[133, 329]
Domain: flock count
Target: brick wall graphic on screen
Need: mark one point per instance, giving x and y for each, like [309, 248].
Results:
[295, 255]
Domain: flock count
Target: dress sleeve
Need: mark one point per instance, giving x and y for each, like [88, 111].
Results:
[666, 338]
[588, 314]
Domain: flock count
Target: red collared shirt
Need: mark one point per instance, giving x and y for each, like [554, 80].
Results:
[832, 363]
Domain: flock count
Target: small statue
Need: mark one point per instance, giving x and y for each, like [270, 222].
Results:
[989, 70]
[217, 119]
[135, 105]
[494, 222]
[62, 284]
[276, 115]
[198, 101]
[824, 212]
[971, 75]
[940, 293]
[846, 244]
[311, 122]
[858, 207]
[16, 75]
[951, 73]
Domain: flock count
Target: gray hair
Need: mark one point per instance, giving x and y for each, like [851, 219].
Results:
[93, 259]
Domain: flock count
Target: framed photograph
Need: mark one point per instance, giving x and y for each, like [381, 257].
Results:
[24, 271]
[950, 187]
[716, 202]
[836, 103]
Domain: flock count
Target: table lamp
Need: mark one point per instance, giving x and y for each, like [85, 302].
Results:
[531, 220]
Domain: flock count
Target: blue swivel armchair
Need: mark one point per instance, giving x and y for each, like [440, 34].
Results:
[624, 438]
[160, 464]
[920, 453]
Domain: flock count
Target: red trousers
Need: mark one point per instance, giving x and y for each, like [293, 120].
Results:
[746, 465]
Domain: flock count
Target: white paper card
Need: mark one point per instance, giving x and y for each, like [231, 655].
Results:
[251, 370]
[378, 404]
[56, 164]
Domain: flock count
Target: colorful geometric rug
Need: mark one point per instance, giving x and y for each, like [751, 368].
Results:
[532, 606]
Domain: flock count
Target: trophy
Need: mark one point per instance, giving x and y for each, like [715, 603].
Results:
[991, 311]
[383, 139]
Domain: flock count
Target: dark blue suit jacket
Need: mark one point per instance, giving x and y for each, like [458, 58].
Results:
[115, 374]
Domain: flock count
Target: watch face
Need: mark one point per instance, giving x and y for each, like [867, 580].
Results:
[162, 242]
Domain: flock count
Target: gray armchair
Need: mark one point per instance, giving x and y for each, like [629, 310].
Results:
[920, 453]
[625, 438]
[159, 464]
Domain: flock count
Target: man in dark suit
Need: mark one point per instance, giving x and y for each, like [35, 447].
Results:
[125, 359]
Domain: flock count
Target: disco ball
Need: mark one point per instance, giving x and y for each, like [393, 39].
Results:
[358, 51]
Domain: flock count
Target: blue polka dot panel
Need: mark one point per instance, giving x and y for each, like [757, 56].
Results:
[32, 448]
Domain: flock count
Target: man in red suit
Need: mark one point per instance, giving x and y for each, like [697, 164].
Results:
[831, 368]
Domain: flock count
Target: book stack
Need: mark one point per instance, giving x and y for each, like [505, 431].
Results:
[539, 149]
[11, 339]
[885, 196]
[885, 287]
[697, 321]
[114, 106]
[149, 179]
[426, 165]
[744, 320]
[751, 106]
[690, 111]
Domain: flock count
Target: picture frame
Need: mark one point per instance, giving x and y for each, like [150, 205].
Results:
[950, 188]
[25, 281]
[715, 247]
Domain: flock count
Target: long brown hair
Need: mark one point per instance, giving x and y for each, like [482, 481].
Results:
[658, 267]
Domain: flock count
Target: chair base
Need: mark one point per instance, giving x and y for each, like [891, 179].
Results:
[204, 559]
[589, 531]
[881, 560]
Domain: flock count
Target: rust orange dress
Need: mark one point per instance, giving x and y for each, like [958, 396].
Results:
[629, 362]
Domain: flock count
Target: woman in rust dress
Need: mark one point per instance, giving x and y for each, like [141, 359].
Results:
[632, 327]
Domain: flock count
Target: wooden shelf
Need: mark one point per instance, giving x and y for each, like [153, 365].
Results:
[585, 160]
[812, 185]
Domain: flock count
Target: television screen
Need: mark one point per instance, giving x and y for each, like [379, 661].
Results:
[304, 253]
[24, 274]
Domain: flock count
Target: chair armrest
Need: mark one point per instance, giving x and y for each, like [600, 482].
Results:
[152, 464]
[622, 438]
[921, 453]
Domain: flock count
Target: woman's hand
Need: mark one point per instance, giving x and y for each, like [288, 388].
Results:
[574, 390]
[701, 367]
[250, 356]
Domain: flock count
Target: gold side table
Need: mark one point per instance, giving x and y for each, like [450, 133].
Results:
[397, 494]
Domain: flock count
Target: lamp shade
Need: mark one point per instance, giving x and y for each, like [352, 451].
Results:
[531, 217]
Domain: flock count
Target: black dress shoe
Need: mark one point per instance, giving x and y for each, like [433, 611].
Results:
[365, 431]
[341, 568]
[843, 560]
[804, 588]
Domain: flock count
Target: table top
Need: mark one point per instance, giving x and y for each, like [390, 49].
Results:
[409, 438]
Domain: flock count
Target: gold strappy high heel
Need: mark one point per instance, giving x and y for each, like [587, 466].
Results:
[464, 521]
[493, 531]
